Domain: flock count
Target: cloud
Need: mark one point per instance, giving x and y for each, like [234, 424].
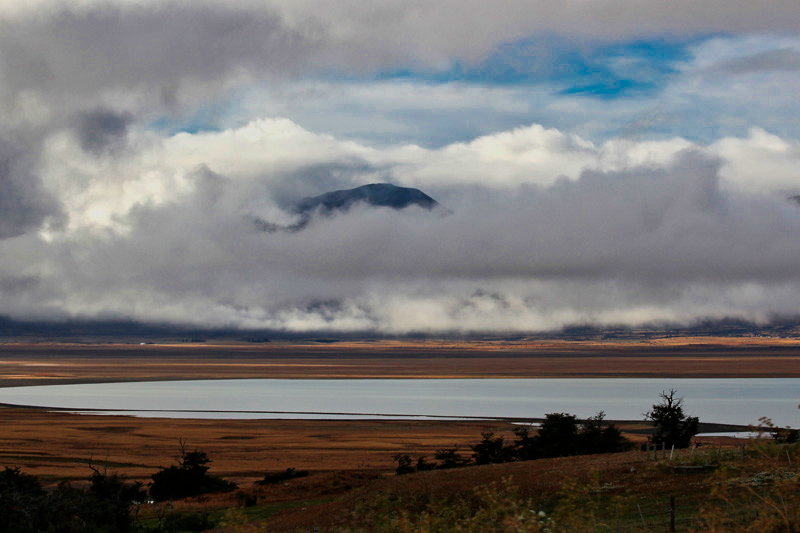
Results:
[101, 129]
[24, 205]
[761, 162]
[140, 139]
[771, 60]
[546, 230]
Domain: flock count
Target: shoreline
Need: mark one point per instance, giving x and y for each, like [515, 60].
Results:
[706, 427]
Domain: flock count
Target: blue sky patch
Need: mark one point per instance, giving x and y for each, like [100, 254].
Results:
[602, 71]
[204, 118]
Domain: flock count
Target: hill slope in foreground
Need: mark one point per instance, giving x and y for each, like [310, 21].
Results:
[352, 482]
[754, 491]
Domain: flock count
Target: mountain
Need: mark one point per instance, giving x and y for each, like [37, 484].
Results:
[374, 194]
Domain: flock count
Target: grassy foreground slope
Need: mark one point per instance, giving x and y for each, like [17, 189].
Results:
[758, 491]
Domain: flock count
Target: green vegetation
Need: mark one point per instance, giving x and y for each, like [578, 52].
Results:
[109, 504]
[106, 506]
[188, 478]
[755, 490]
[491, 508]
[673, 427]
[559, 435]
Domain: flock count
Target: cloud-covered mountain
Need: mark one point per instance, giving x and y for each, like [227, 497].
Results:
[373, 195]
[605, 163]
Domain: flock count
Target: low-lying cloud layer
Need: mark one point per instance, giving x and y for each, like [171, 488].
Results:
[140, 141]
[546, 230]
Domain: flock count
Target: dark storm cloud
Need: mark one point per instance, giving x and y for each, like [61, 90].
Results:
[23, 203]
[670, 224]
[15, 286]
[61, 49]
[87, 51]
[102, 129]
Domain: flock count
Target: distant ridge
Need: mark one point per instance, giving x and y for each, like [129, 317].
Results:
[374, 194]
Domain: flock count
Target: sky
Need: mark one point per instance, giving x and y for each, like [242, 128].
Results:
[614, 163]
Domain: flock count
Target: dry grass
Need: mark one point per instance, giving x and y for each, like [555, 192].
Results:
[349, 460]
[56, 445]
[25, 364]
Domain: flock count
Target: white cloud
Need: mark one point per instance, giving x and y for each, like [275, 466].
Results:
[760, 163]
[566, 209]
[547, 230]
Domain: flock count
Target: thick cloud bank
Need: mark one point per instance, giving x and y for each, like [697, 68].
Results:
[546, 230]
[136, 154]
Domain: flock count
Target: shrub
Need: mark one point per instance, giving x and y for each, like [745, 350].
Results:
[595, 436]
[491, 449]
[558, 436]
[188, 478]
[403, 464]
[450, 458]
[21, 501]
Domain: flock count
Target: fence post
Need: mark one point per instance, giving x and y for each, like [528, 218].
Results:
[672, 513]
[644, 526]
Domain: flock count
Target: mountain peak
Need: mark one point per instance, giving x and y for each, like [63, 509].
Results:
[375, 194]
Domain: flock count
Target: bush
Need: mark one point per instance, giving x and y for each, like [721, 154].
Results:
[403, 464]
[188, 478]
[450, 458]
[104, 507]
[491, 449]
[557, 437]
[561, 435]
[21, 501]
[595, 436]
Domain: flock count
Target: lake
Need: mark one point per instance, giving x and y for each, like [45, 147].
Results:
[732, 401]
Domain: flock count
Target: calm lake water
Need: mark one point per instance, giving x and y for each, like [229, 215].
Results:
[734, 401]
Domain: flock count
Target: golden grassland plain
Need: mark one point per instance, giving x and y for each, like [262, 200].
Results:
[48, 363]
[341, 455]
